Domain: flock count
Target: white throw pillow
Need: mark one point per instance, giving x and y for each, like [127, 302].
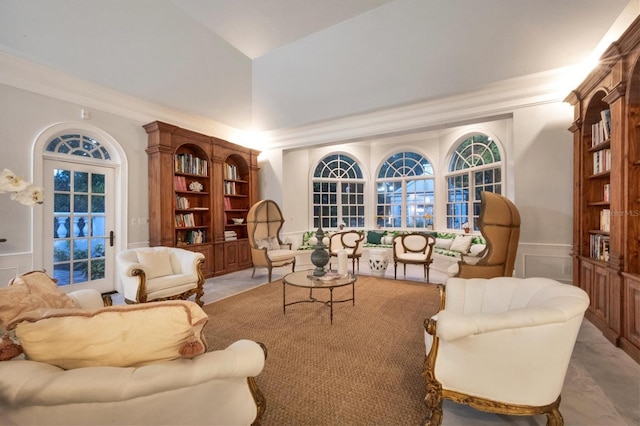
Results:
[461, 243]
[444, 243]
[476, 249]
[157, 262]
[269, 243]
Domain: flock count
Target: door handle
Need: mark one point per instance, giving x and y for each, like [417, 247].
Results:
[112, 237]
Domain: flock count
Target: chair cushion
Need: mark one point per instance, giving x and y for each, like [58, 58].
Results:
[413, 257]
[118, 336]
[278, 255]
[30, 291]
[157, 262]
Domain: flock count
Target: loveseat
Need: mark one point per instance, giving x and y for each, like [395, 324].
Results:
[86, 364]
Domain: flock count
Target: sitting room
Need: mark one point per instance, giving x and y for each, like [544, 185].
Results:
[213, 209]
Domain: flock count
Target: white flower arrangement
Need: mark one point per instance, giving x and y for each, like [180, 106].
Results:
[21, 191]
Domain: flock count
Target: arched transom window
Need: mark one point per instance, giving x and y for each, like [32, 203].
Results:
[475, 166]
[405, 192]
[76, 144]
[338, 192]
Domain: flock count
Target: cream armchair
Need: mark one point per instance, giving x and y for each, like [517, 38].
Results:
[264, 221]
[502, 345]
[159, 273]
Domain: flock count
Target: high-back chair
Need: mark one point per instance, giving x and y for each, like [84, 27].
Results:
[414, 249]
[350, 241]
[264, 222]
[499, 224]
[502, 345]
[151, 274]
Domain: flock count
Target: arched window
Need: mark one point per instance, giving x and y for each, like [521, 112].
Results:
[475, 166]
[338, 192]
[405, 191]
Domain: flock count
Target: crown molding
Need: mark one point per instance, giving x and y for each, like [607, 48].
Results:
[496, 100]
[30, 76]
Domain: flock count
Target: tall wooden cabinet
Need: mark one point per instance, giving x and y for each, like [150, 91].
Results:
[198, 185]
[606, 227]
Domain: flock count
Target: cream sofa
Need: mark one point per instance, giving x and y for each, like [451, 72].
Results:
[171, 379]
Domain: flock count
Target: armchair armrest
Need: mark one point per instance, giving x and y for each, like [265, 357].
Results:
[188, 260]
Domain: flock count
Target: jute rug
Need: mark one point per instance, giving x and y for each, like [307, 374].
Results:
[365, 369]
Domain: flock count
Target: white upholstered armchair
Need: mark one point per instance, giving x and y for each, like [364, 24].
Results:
[159, 273]
[502, 345]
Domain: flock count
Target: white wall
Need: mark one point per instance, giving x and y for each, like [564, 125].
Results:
[537, 150]
[23, 116]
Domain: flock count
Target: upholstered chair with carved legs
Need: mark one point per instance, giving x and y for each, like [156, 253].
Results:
[502, 345]
[264, 222]
[350, 241]
[152, 274]
[414, 249]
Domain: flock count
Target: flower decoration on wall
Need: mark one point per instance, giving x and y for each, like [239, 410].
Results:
[21, 191]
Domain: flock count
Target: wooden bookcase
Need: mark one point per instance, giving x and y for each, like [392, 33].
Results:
[188, 203]
[606, 226]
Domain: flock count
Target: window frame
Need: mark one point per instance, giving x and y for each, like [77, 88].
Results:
[473, 202]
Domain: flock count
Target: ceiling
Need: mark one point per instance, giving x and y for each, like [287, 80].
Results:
[278, 64]
[256, 27]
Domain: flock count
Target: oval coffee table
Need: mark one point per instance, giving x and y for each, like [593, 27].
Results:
[305, 279]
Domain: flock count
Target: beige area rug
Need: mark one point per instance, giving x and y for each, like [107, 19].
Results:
[365, 369]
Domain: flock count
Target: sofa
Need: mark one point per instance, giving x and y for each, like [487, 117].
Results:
[72, 361]
[450, 247]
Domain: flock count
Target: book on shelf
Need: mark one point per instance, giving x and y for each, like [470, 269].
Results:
[191, 237]
[606, 193]
[180, 183]
[605, 114]
[599, 247]
[605, 220]
[185, 220]
[601, 130]
[230, 235]
[231, 172]
[601, 161]
[229, 188]
[182, 202]
[190, 164]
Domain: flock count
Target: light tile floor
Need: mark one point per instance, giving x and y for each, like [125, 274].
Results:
[602, 387]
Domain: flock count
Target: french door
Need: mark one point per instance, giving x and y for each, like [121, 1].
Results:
[78, 240]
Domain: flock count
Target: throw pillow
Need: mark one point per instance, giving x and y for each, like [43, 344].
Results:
[476, 249]
[444, 243]
[269, 243]
[374, 237]
[461, 243]
[30, 291]
[273, 244]
[156, 262]
[118, 336]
